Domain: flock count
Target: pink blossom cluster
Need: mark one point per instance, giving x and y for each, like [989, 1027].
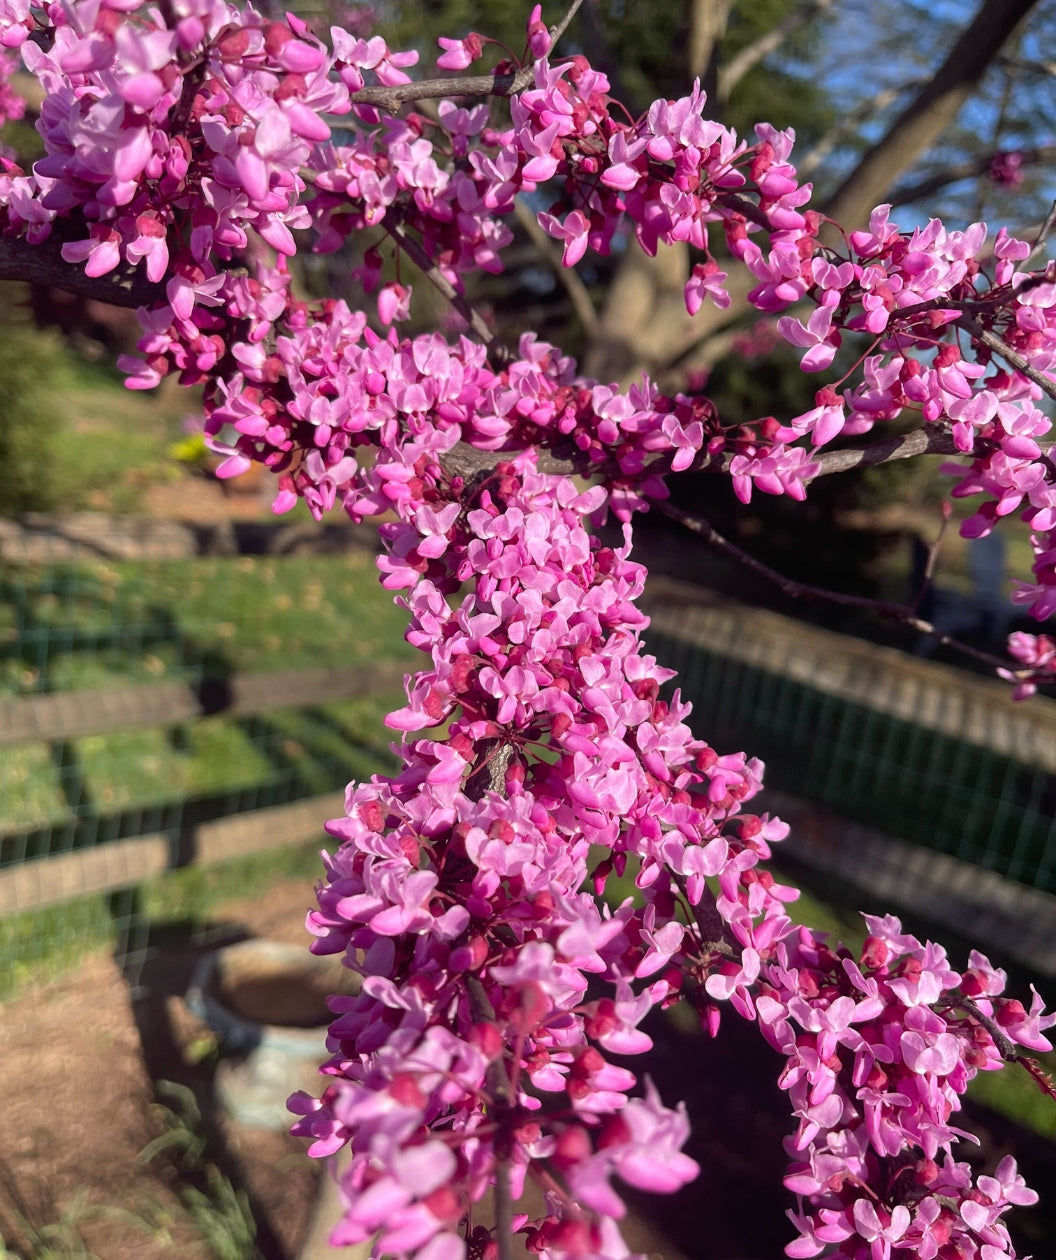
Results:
[472, 868]
[549, 764]
[1035, 651]
[542, 765]
[171, 137]
[880, 1050]
[308, 393]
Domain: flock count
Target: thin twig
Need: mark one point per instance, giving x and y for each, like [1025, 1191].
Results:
[499, 1085]
[1012, 357]
[851, 122]
[557, 31]
[902, 613]
[1043, 234]
[971, 168]
[395, 228]
[933, 555]
[391, 99]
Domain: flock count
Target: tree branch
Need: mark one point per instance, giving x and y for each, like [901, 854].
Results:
[559, 29]
[927, 116]
[44, 264]
[970, 169]
[851, 122]
[707, 25]
[395, 228]
[749, 57]
[1012, 357]
[392, 99]
[901, 613]
[499, 1084]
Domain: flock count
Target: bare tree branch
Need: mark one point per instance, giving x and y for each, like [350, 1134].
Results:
[901, 613]
[559, 29]
[737, 67]
[1022, 63]
[969, 169]
[850, 123]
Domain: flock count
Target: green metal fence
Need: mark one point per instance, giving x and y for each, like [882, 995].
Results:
[160, 713]
[914, 749]
[164, 710]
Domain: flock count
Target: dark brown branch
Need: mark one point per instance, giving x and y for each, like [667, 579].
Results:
[466, 461]
[1006, 1048]
[1012, 357]
[715, 934]
[44, 264]
[933, 556]
[928, 440]
[901, 613]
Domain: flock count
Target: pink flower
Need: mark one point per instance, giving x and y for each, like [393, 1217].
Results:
[459, 54]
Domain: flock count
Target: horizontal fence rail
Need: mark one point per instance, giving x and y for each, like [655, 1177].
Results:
[57, 716]
[913, 750]
[107, 868]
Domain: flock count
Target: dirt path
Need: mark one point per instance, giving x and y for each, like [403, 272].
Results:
[78, 1104]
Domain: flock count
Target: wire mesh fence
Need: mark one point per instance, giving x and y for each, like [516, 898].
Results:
[916, 750]
[156, 713]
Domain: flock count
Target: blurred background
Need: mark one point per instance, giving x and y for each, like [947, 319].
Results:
[188, 682]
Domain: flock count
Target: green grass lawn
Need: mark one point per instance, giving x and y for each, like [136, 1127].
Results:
[88, 626]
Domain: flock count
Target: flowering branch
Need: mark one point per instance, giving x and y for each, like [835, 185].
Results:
[440, 282]
[451, 87]
[990, 339]
[540, 756]
[42, 263]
